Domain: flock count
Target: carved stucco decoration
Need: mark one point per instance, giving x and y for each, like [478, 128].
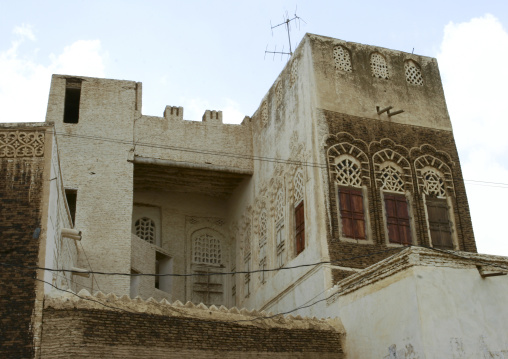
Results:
[16, 144]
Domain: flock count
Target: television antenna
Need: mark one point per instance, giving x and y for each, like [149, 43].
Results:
[287, 23]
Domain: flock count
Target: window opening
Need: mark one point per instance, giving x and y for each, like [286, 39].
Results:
[439, 223]
[71, 196]
[352, 213]
[433, 184]
[281, 243]
[397, 218]
[342, 58]
[300, 228]
[413, 73]
[233, 283]
[134, 289]
[145, 229]
[163, 265]
[378, 66]
[207, 249]
[72, 99]
[262, 244]
[247, 275]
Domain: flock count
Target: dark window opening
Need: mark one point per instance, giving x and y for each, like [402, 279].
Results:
[163, 266]
[352, 213]
[72, 98]
[397, 219]
[71, 196]
[300, 228]
[439, 223]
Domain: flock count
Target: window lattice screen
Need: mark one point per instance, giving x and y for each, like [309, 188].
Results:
[392, 179]
[378, 66]
[348, 173]
[342, 58]
[433, 184]
[207, 249]
[145, 229]
[413, 73]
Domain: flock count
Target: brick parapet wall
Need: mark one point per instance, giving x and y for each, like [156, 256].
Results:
[20, 215]
[80, 328]
[412, 138]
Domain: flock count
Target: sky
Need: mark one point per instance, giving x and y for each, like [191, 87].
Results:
[211, 55]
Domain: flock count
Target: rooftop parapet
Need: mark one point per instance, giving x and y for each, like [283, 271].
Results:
[173, 113]
[212, 116]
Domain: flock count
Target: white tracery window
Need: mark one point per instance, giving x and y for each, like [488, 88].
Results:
[378, 66]
[392, 179]
[342, 58]
[279, 227]
[433, 184]
[262, 228]
[145, 229]
[299, 186]
[348, 173]
[413, 73]
[207, 249]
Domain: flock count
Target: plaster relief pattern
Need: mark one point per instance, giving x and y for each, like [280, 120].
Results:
[14, 144]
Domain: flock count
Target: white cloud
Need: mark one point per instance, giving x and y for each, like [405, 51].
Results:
[24, 82]
[472, 62]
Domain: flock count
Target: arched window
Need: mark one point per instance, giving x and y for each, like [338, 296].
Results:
[378, 66]
[438, 211]
[413, 73]
[349, 182]
[145, 229]
[342, 58]
[207, 249]
[279, 227]
[299, 188]
[396, 206]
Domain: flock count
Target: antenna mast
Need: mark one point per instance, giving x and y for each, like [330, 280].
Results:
[287, 22]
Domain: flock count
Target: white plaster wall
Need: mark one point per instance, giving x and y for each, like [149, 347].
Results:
[61, 253]
[94, 154]
[426, 312]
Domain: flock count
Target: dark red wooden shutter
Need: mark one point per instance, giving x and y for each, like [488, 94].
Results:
[439, 223]
[300, 228]
[397, 219]
[352, 213]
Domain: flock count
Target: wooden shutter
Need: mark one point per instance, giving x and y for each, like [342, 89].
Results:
[300, 228]
[397, 219]
[352, 213]
[439, 223]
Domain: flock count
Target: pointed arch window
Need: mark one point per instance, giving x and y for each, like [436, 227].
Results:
[378, 66]
[396, 206]
[349, 182]
[299, 187]
[342, 58]
[438, 211]
[279, 227]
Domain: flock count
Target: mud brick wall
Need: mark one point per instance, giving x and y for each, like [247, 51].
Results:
[20, 216]
[94, 333]
[410, 137]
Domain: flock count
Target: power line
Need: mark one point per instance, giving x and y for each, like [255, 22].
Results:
[204, 273]
[239, 156]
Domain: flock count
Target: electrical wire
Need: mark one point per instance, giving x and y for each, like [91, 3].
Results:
[239, 156]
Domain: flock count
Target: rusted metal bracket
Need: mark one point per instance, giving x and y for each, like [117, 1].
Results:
[485, 274]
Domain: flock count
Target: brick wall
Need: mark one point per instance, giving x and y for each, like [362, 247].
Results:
[20, 215]
[103, 333]
[401, 136]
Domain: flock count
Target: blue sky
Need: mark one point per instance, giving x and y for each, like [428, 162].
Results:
[210, 55]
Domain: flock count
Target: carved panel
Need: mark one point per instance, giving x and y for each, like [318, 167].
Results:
[15, 144]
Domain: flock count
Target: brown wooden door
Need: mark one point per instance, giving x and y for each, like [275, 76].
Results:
[352, 213]
[300, 228]
[397, 219]
[439, 223]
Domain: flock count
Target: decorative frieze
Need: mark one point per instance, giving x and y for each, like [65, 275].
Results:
[16, 144]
